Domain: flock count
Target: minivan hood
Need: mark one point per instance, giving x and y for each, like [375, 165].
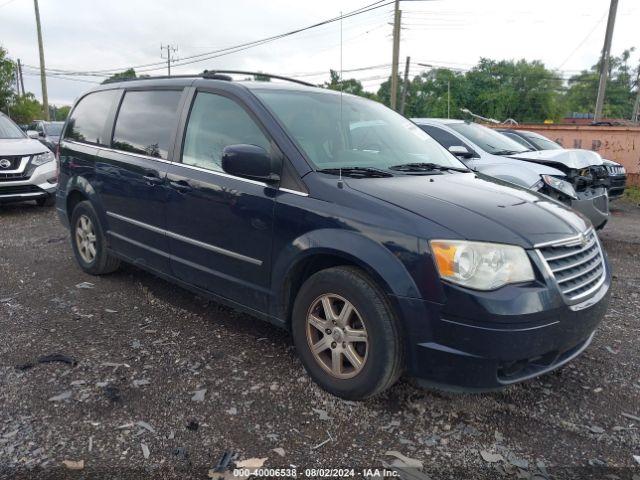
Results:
[20, 146]
[478, 207]
[571, 158]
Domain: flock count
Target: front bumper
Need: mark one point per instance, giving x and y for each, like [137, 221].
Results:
[489, 340]
[617, 184]
[41, 184]
[593, 203]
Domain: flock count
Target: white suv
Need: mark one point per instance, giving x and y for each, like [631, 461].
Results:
[28, 169]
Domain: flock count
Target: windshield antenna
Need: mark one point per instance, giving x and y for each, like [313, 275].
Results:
[340, 182]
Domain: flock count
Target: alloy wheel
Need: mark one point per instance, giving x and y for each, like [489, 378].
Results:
[337, 336]
[86, 238]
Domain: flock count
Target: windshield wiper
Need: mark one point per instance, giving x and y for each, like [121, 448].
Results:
[425, 167]
[509, 152]
[357, 172]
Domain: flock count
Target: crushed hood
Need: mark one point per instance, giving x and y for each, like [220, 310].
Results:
[570, 158]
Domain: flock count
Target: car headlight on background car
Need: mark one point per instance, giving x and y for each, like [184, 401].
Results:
[560, 185]
[42, 158]
[479, 265]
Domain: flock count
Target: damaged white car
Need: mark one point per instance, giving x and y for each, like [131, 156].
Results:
[577, 178]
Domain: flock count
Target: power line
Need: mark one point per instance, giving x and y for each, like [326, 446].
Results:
[228, 50]
[7, 3]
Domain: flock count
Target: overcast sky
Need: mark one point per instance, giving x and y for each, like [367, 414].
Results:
[85, 35]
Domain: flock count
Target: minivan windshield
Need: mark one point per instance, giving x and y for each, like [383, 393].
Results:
[8, 129]
[343, 131]
[487, 139]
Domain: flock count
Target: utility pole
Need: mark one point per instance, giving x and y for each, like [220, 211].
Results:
[20, 76]
[604, 60]
[17, 81]
[635, 116]
[405, 85]
[396, 53]
[170, 49]
[448, 98]
[43, 76]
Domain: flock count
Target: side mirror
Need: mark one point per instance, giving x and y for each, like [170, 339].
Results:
[33, 134]
[250, 161]
[460, 151]
[41, 134]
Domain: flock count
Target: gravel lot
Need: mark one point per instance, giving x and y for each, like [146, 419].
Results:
[144, 346]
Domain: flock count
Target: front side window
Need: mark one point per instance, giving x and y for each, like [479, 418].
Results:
[518, 139]
[346, 131]
[88, 120]
[146, 122]
[217, 122]
[8, 129]
[487, 139]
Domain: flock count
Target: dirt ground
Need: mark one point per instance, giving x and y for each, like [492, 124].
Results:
[143, 347]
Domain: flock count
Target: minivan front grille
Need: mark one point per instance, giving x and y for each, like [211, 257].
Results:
[577, 266]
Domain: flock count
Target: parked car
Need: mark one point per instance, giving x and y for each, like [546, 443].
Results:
[617, 175]
[47, 132]
[334, 217]
[27, 168]
[573, 177]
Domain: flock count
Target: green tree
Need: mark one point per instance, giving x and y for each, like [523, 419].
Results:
[525, 91]
[436, 93]
[62, 113]
[619, 96]
[126, 75]
[351, 85]
[7, 79]
[25, 108]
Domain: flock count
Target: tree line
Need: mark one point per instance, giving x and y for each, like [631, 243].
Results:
[518, 89]
[24, 108]
[526, 91]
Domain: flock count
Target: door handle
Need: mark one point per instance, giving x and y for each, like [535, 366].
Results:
[181, 186]
[152, 177]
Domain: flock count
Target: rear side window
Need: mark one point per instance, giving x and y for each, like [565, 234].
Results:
[443, 137]
[146, 121]
[88, 120]
[216, 122]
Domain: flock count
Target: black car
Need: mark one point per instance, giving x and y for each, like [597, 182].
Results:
[332, 216]
[617, 175]
[47, 132]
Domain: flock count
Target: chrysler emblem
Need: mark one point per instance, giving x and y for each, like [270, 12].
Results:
[4, 163]
[583, 240]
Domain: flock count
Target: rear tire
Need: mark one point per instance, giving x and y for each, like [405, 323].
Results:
[346, 319]
[89, 243]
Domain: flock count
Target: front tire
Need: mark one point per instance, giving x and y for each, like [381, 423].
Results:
[89, 243]
[346, 334]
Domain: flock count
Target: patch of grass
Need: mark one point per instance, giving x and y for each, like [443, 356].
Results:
[632, 194]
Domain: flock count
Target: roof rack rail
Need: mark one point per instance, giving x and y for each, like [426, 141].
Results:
[220, 74]
[211, 74]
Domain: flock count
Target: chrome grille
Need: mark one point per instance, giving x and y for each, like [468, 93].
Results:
[578, 267]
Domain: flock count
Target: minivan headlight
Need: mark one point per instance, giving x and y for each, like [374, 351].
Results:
[42, 158]
[560, 185]
[479, 265]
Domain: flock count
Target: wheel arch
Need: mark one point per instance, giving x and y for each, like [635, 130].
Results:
[328, 248]
[78, 190]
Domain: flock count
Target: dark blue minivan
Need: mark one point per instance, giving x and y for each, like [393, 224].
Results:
[334, 217]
